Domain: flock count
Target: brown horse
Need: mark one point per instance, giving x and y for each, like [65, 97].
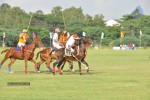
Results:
[28, 54]
[45, 54]
[79, 55]
[45, 57]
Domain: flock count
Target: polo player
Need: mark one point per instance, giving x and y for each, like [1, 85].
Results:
[70, 42]
[56, 43]
[22, 40]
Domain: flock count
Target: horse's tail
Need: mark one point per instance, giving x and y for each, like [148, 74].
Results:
[37, 55]
[53, 49]
[4, 51]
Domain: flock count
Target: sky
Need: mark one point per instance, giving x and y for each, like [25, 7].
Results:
[111, 9]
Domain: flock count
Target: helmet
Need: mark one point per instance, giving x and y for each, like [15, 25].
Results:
[75, 36]
[24, 31]
[57, 30]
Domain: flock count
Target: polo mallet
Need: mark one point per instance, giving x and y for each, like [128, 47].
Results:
[79, 61]
[64, 20]
[29, 22]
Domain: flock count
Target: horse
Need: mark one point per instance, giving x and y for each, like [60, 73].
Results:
[45, 54]
[13, 54]
[79, 55]
[45, 57]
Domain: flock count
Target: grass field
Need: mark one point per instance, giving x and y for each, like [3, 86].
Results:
[114, 75]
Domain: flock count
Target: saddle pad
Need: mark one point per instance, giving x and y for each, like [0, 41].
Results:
[17, 49]
[67, 52]
[53, 52]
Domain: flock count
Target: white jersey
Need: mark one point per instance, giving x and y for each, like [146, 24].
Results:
[56, 44]
[21, 44]
[70, 42]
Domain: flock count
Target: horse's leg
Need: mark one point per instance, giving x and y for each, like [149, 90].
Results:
[87, 66]
[5, 58]
[71, 66]
[47, 58]
[9, 65]
[35, 65]
[26, 66]
[38, 65]
[58, 66]
[48, 61]
[79, 63]
[54, 64]
[7, 55]
[63, 64]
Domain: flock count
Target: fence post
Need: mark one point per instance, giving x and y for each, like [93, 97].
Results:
[3, 40]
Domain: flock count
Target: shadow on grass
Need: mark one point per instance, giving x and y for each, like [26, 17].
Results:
[65, 72]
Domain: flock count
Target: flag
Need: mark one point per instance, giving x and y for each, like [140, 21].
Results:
[141, 33]
[83, 34]
[122, 34]
[102, 35]
[51, 35]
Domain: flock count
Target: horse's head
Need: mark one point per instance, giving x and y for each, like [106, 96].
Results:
[77, 42]
[37, 40]
[87, 41]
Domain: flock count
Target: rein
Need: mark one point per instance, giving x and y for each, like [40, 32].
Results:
[28, 49]
[31, 51]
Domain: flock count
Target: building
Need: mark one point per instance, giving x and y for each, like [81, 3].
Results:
[112, 23]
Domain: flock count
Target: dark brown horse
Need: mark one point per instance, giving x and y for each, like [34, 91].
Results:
[13, 54]
[79, 55]
[45, 56]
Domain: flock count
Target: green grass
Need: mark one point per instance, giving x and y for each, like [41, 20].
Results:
[114, 75]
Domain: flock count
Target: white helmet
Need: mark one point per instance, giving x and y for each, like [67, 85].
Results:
[57, 30]
[24, 31]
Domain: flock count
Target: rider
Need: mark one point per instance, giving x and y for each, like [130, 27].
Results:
[56, 43]
[22, 40]
[63, 37]
[71, 41]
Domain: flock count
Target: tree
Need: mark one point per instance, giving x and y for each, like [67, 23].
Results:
[98, 20]
[88, 20]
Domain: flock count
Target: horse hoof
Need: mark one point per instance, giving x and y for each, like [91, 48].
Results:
[37, 68]
[25, 72]
[72, 70]
[87, 68]
[38, 71]
[53, 73]
[80, 73]
[11, 72]
[61, 73]
[87, 71]
[0, 66]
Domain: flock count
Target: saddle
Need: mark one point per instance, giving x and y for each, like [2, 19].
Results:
[67, 52]
[18, 49]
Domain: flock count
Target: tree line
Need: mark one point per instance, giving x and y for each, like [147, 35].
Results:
[14, 19]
